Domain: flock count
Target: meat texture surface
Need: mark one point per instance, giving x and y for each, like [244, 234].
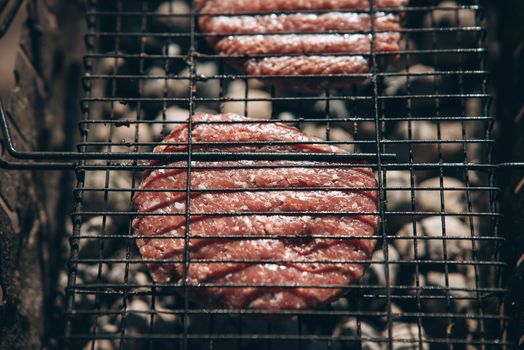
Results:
[284, 39]
[286, 234]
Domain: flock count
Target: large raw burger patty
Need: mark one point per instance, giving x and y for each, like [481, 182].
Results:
[267, 224]
[287, 38]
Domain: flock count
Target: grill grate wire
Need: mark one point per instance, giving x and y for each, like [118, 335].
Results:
[113, 304]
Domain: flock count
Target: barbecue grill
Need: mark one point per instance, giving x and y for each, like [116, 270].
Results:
[420, 118]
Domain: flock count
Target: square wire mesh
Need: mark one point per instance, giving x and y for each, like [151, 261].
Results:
[434, 279]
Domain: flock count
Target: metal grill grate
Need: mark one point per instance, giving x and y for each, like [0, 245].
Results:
[421, 121]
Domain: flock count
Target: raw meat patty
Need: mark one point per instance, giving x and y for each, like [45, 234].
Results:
[327, 41]
[278, 230]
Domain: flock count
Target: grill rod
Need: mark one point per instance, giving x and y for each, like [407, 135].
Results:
[11, 14]
[70, 157]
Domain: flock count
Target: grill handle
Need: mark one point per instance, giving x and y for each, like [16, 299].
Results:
[67, 160]
[10, 16]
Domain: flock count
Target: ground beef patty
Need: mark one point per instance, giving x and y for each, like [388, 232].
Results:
[338, 43]
[272, 223]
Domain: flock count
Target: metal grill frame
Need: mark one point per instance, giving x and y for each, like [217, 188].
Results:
[380, 160]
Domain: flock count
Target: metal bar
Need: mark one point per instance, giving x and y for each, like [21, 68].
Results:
[10, 16]
[282, 99]
[110, 289]
[290, 285]
[511, 166]
[281, 261]
[233, 237]
[185, 278]
[165, 156]
[312, 337]
[317, 11]
[45, 166]
[213, 35]
[303, 119]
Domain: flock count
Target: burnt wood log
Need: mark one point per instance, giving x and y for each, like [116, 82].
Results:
[43, 111]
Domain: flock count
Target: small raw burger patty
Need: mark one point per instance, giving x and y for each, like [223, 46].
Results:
[281, 231]
[282, 42]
